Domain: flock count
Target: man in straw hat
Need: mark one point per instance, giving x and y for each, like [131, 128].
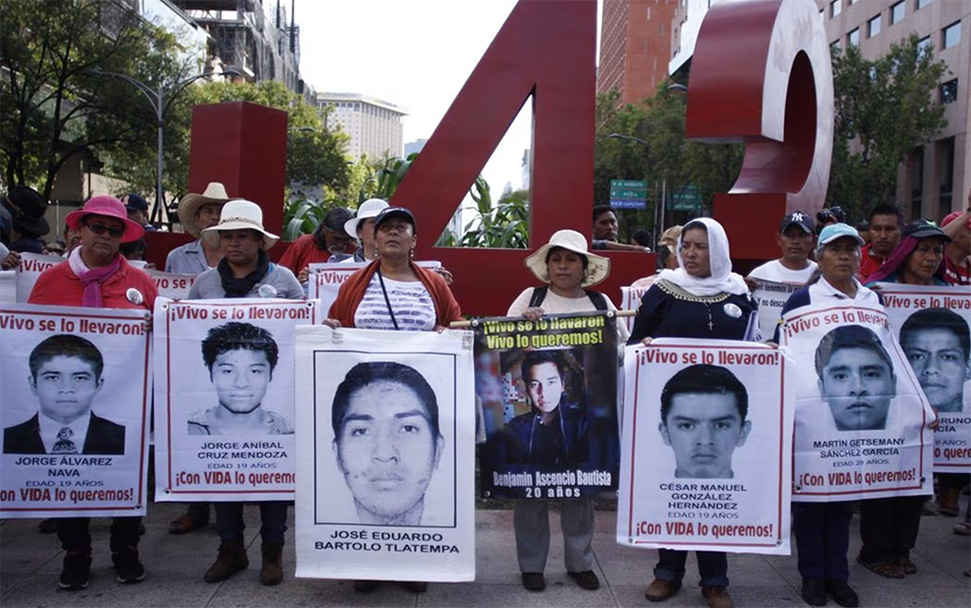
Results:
[196, 213]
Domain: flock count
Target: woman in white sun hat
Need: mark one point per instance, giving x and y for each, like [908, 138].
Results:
[361, 229]
[566, 269]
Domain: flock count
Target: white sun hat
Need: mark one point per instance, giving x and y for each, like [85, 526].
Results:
[369, 208]
[240, 214]
[598, 267]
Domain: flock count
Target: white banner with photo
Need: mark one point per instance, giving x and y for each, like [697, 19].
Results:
[772, 296]
[932, 326]
[326, 279]
[706, 447]
[386, 455]
[171, 285]
[74, 410]
[30, 267]
[224, 390]
[630, 299]
[862, 424]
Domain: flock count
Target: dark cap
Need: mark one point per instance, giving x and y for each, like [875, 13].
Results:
[395, 212]
[27, 210]
[134, 202]
[797, 218]
[923, 229]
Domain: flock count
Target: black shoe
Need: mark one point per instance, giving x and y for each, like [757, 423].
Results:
[75, 571]
[47, 526]
[586, 580]
[533, 581]
[366, 586]
[842, 594]
[129, 569]
[814, 591]
[415, 586]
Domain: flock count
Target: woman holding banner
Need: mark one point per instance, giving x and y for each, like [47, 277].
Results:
[823, 528]
[889, 526]
[702, 298]
[394, 293]
[566, 270]
[245, 272]
[96, 275]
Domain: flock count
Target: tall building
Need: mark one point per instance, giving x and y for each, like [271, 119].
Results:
[935, 179]
[635, 47]
[374, 126]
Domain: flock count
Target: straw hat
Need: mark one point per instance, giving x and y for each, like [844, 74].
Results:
[107, 206]
[189, 205]
[598, 267]
[240, 214]
[369, 208]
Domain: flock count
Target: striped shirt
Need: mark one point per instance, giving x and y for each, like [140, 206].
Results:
[412, 305]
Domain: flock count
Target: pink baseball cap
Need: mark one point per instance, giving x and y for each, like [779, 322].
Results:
[950, 217]
[107, 206]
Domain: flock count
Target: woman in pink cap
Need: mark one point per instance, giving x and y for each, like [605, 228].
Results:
[95, 275]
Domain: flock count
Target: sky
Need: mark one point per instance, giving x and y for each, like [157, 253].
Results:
[413, 53]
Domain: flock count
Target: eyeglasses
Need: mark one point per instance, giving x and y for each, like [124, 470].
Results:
[99, 229]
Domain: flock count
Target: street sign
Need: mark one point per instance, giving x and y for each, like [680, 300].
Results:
[628, 194]
[688, 199]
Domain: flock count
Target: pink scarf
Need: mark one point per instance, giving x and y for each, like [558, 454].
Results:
[92, 278]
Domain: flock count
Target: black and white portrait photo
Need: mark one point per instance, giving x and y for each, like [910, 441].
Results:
[66, 378]
[937, 345]
[856, 378]
[704, 411]
[241, 359]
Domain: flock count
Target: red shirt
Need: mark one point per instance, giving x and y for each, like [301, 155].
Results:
[59, 286]
[868, 263]
[303, 252]
[956, 274]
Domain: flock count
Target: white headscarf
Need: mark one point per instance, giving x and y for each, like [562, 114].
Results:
[722, 279]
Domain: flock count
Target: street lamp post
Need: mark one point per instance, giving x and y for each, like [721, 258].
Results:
[160, 100]
[658, 223]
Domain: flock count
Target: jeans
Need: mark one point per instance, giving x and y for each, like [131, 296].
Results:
[823, 539]
[273, 515]
[74, 536]
[712, 567]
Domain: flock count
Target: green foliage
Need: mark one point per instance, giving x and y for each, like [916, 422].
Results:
[52, 107]
[504, 226]
[884, 109]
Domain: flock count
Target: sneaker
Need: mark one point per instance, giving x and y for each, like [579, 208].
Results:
[718, 597]
[842, 594]
[75, 571]
[533, 581]
[231, 559]
[659, 590]
[814, 591]
[129, 569]
[586, 580]
[963, 528]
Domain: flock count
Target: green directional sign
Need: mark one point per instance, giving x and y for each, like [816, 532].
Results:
[688, 199]
[628, 194]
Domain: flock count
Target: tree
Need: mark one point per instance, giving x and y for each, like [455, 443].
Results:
[52, 107]
[884, 109]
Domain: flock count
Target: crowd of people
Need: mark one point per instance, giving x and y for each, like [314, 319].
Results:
[693, 294]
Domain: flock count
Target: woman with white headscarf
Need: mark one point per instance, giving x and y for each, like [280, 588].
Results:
[702, 298]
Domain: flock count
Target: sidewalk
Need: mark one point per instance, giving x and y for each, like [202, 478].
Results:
[30, 563]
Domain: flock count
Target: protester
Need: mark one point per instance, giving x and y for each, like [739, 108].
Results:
[884, 226]
[822, 529]
[641, 237]
[918, 258]
[245, 272]
[96, 275]
[28, 224]
[196, 213]
[328, 243]
[702, 298]
[605, 231]
[667, 259]
[361, 228]
[566, 269]
[137, 208]
[957, 254]
[795, 239]
[863, 229]
[394, 293]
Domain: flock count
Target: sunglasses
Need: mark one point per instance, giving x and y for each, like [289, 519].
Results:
[99, 229]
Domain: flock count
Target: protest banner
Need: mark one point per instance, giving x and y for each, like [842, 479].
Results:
[8, 286]
[771, 297]
[326, 279]
[224, 389]
[385, 455]
[861, 421]
[171, 285]
[74, 410]
[551, 429]
[30, 267]
[706, 447]
[630, 299]
[932, 326]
